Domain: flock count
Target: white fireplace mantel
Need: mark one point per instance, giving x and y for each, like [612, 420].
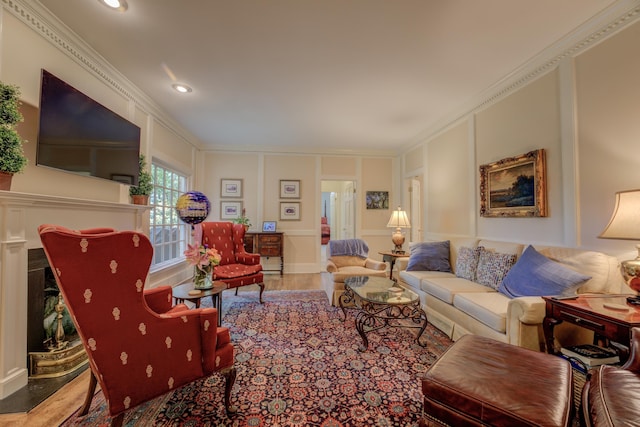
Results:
[20, 216]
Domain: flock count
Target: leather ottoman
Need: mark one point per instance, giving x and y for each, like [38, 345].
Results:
[482, 382]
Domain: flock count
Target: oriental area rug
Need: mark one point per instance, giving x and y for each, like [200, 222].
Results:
[299, 363]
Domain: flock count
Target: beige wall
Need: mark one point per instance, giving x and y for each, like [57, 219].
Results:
[261, 174]
[450, 197]
[525, 121]
[608, 105]
[584, 112]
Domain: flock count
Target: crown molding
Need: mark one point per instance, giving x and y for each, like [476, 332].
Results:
[600, 27]
[43, 22]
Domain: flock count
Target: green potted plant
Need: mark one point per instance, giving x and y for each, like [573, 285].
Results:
[140, 193]
[12, 159]
[242, 219]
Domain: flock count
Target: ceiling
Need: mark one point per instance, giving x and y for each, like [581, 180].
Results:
[341, 75]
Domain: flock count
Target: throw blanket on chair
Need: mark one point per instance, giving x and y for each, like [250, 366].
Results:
[348, 247]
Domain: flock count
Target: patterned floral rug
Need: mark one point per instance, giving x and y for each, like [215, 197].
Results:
[299, 364]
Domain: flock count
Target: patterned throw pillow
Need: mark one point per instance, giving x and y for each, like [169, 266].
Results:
[467, 262]
[493, 267]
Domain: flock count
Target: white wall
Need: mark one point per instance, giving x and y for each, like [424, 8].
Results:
[582, 109]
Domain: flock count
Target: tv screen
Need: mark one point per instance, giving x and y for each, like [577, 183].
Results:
[79, 135]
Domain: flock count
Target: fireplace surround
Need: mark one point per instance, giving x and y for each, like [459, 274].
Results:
[20, 216]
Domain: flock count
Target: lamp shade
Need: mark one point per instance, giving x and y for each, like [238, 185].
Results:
[625, 221]
[399, 219]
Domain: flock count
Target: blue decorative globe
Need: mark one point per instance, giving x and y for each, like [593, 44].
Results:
[193, 207]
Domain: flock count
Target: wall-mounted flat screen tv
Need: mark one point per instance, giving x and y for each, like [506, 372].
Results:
[77, 134]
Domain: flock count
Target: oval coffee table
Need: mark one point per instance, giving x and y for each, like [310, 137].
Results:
[181, 293]
[381, 302]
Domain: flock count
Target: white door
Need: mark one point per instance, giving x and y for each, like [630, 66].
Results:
[348, 211]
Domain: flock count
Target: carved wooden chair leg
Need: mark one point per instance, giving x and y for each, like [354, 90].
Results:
[261, 290]
[117, 420]
[230, 379]
[90, 392]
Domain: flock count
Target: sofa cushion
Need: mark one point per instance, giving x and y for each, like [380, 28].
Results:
[502, 247]
[446, 288]
[432, 256]
[493, 267]
[535, 275]
[467, 262]
[414, 278]
[489, 308]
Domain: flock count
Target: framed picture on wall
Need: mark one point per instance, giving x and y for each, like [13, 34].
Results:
[377, 200]
[289, 189]
[230, 187]
[514, 187]
[230, 210]
[289, 211]
[268, 226]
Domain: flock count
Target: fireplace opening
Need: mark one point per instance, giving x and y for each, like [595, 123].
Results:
[53, 346]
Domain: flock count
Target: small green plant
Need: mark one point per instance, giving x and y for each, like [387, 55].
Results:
[242, 219]
[145, 182]
[12, 158]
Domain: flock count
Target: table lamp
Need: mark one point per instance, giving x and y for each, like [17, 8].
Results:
[398, 221]
[625, 225]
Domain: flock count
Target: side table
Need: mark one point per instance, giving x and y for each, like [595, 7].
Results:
[267, 244]
[391, 257]
[609, 316]
[181, 293]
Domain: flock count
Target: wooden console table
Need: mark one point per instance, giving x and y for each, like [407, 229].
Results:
[608, 316]
[267, 244]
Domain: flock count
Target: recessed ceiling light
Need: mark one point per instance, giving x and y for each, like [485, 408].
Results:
[119, 5]
[182, 88]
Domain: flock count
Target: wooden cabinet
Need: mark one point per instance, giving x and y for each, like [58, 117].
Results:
[267, 244]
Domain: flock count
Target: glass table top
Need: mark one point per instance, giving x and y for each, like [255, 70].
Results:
[380, 290]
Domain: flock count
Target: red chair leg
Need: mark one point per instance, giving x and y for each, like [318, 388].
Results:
[117, 420]
[230, 379]
[90, 392]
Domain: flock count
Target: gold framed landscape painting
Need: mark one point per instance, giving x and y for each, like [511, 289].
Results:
[514, 187]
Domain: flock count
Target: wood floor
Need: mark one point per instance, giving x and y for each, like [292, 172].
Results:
[57, 408]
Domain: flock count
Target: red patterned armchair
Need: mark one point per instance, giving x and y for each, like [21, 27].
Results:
[237, 267]
[138, 346]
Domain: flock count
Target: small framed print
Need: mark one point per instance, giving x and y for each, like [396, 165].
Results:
[377, 200]
[289, 211]
[268, 226]
[230, 188]
[230, 210]
[289, 189]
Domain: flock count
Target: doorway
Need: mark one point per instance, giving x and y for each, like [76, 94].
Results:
[413, 194]
[338, 212]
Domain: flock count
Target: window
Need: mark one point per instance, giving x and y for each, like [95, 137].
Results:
[168, 234]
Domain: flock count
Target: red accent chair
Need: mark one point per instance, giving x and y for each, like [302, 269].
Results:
[237, 267]
[325, 230]
[138, 346]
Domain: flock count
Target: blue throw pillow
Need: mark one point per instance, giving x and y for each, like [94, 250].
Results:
[536, 275]
[429, 256]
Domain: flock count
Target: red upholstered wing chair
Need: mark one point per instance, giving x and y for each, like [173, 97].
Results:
[135, 353]
[237, 267]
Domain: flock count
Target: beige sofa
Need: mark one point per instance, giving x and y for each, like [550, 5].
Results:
[458, 306]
